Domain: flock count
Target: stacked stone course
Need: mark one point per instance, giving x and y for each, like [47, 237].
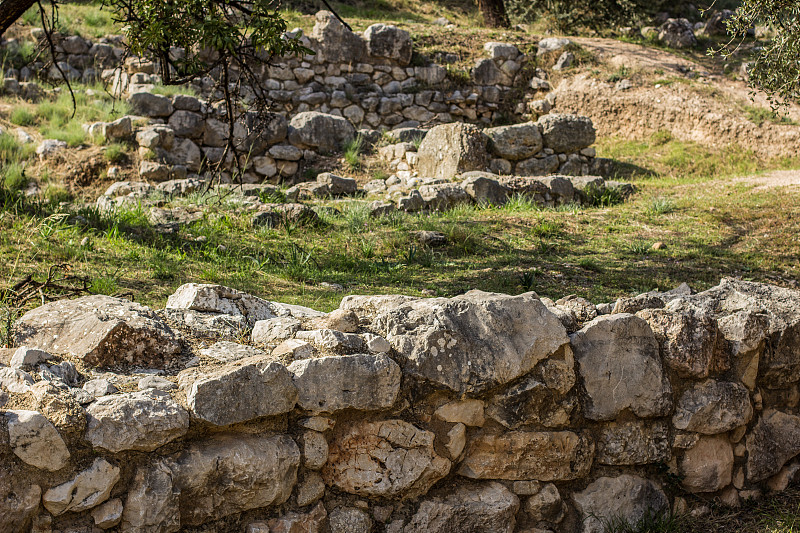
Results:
[483, 412]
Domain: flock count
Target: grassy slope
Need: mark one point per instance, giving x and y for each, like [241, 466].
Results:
[711, 227]
[688, 199]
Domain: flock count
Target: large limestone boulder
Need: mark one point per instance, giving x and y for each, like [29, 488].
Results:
[729, 302]
[451, 149]
[677, 33]
[320, 131]
[150, 105]
[474, 341]
[708, 465]
[229, 304]
[486, 72]
[368, 307]
[635, 442]
[208, 325]
[385, 459]
[478, 508]
[545, 504]
[217, 299]
[691, 343]
[187, 123]
[101, 330]
[551, 45]
[484, 188]
[15, 380]
[257, 471]
[141, 421]
[540, 398]
[19, 499]
[151, 505]
[566, 133]
[389, 42]
[618, 359]
[540, 455]
[334, 42]
[248, 389]
[36, 441]
[517, 142]
[88, 489]
[773, 441]
[363, 381]
[349, 520]
[624, 498]
[443, 196]
[713, 407]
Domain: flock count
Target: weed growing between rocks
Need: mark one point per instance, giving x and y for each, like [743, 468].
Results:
[651, 522]
[353, 150]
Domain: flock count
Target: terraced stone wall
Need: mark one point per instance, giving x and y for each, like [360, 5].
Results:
[482, 412]
[353, 83]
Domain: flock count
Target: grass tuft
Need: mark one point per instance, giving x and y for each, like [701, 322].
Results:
[660, 206]
[353, 151]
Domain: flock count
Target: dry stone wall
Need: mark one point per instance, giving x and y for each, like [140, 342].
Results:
[482, 412]
[353, 83]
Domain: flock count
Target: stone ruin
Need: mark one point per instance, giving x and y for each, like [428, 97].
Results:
[451, 154]
[482, 412]
[354, 84]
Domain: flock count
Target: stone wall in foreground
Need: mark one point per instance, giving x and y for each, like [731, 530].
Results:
[483, 412]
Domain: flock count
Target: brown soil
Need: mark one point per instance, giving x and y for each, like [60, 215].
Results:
[778, 178]
[694, 104]
[83, 170]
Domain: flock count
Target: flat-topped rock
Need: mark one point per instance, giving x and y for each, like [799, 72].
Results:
[363, 381]
[101, 330]
[242, 391]
[474, 341]
[141, 421]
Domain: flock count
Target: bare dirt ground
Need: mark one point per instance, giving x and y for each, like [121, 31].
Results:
[672, 93]
[771, 180]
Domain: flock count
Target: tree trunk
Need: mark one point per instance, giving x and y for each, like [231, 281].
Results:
[11, 10]
[494, 13]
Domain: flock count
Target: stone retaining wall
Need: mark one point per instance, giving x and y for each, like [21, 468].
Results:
[483, 412]
[368, 78]
[353, 83]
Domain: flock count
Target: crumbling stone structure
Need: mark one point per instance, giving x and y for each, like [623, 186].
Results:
[482, 412]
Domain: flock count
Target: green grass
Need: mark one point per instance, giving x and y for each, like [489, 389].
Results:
[87, 19]
[115, 153]
[353, 151]
[22, 116]
[13, 156]
[620, 74]
[173, 90]
[599, 253]
[59, 119]
[761, 115]
[661, 206]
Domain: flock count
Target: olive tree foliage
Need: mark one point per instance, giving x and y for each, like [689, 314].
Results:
[569, 15]
[776, 68]
[228, 41]
[602, 16]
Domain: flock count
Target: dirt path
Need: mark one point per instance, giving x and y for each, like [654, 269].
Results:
[771, 180]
